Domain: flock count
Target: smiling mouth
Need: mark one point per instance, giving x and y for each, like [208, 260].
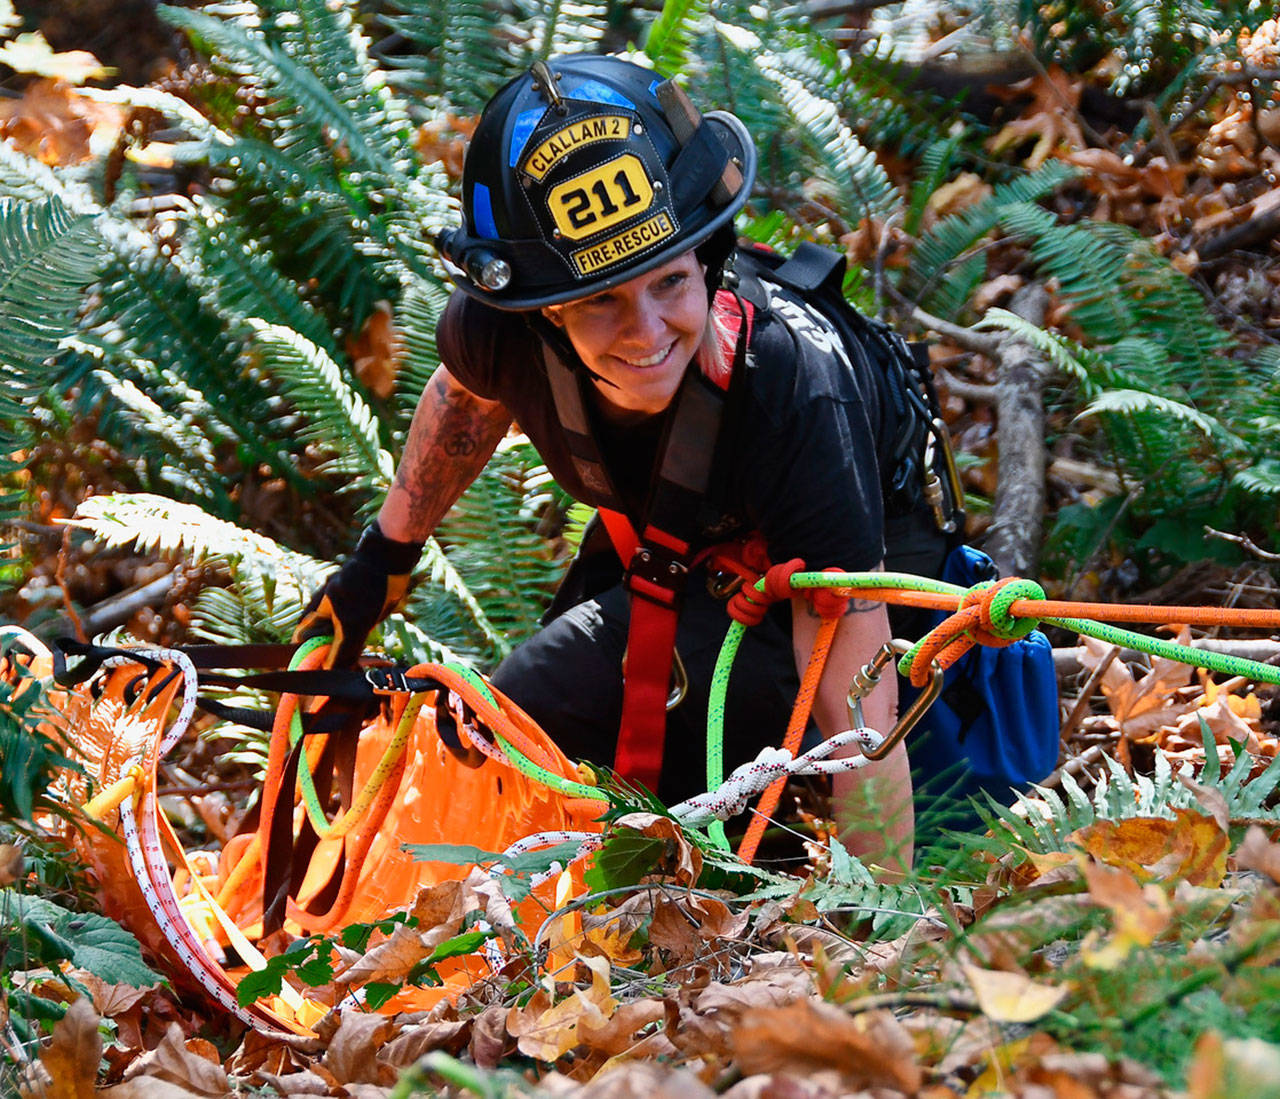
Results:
[651, 360]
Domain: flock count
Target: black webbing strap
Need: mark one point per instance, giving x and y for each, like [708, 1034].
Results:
[657, 569]
[341, 684]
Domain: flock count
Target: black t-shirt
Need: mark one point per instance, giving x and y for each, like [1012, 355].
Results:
[802, 468]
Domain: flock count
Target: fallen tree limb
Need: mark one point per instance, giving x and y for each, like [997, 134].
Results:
[1013, 541]
[1262, 224]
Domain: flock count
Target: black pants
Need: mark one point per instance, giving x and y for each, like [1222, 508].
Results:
[568, 676]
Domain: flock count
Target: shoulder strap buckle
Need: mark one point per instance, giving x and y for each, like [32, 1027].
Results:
[654, 569]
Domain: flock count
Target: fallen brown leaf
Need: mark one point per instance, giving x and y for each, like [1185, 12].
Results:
[1139, 913]
[1259, 852]
[418, 1039]
[10, 863]
[72, 1055]
[547, 1033]
[376, 351]
[193, 1066]
[391, 960]
[1050, 118]
[56, 125]
[867, 1050]
[681, 862]
[352, 1055]
[617, 1034]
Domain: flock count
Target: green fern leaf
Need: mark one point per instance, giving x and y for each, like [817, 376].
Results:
[335, 415]
[290, 79]
[1262, 478]
[1130, 402]
[461, 52]
[670, 38]
[863, 186]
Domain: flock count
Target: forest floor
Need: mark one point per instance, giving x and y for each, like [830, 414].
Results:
[1118, 937]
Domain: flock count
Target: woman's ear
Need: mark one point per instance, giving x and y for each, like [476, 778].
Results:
[552, 313]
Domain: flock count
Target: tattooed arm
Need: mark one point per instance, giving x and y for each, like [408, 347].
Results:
[872, 805]
[453, 434]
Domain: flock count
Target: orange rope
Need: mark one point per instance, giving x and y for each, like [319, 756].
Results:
[1141, 613]
[791, 742]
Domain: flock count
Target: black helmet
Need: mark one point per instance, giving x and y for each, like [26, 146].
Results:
[585, 172]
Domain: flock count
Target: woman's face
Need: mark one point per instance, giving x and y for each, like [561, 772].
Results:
[640, 335]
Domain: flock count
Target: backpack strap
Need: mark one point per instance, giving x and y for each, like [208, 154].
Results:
[810, 267]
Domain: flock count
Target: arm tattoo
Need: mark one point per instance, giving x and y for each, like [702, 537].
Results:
[452, 436]
[854, 606]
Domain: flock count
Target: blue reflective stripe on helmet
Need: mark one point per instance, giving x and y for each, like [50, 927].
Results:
[653, 87]
[596, 92]
[482, 211]
[526, 121]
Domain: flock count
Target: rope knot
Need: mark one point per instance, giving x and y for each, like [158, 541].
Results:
[983, 617]
[749, 606]
[829, 602]
[994, 598]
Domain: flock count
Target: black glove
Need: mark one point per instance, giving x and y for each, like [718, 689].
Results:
[364, 589]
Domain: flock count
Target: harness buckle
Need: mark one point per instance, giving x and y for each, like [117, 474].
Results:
[656, 566]
[388, 679]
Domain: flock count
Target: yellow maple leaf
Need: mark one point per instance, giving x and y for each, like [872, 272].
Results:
[548, 1034]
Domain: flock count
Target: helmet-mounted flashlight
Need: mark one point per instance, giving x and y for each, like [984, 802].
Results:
[487, 269]
[483, 266]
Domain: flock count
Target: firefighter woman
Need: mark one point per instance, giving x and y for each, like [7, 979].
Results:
[597, 308]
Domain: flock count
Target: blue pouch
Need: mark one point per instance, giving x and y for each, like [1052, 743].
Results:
[995, 726]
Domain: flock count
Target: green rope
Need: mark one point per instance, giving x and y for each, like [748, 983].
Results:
[715, 718]
[315, 811]
[518, 760]
[1170, 650]
[1129, 639]
[1007, 623]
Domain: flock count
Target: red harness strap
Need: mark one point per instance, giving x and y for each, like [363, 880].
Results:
[657, 570]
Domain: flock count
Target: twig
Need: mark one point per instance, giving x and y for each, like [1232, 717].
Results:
[947, 1001]
[1086, 693]
[1244, 542]
[977, 392]
[60, 575]
[1162, 140]
[967, 338]
[1075, 765]
[1261, 225]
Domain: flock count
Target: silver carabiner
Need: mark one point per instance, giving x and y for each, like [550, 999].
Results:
[866, 680]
